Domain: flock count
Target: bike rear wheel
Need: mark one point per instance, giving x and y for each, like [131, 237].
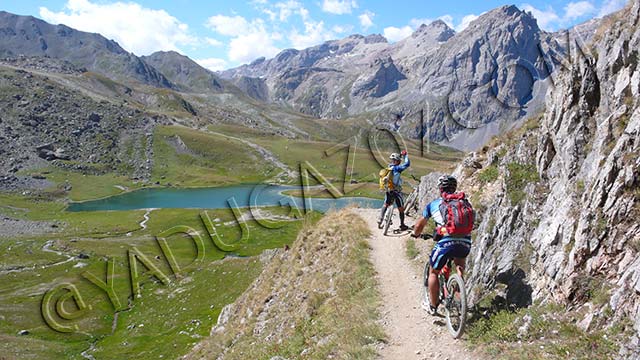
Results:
[411, 203]
[387, 219]
[456, 305]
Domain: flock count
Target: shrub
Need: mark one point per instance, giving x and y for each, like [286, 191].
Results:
[519, 176]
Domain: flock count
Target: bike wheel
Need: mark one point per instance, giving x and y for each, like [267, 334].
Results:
[411, 203]
[387, 220]
[456, 305]
[426, 299]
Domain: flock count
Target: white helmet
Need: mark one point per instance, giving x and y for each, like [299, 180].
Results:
[395, 157]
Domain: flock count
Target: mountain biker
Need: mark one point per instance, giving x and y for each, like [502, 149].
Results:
[447, 246]
[393, 192]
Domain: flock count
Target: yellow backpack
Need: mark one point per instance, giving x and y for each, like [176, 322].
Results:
[385, 175]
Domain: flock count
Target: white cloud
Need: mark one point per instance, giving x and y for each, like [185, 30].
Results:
[550, 20]
[393, 33]
[448, 19]
[137, 29]
[246, 48]
[213, 42]
[339, 7]
[213, 64]
[610, 6]
[366, 19]
[314, 34]
[466, 20]
[228, 25]
[576, 10]
[249, 39]
[416, 23]
[288, 8]
[341, 29]
[547, 19]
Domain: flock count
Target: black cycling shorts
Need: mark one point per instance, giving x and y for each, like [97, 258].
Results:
[392, 196]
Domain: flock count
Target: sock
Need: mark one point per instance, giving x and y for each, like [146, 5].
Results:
[401, 218]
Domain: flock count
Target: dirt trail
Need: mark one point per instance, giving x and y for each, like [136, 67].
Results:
[413, 334]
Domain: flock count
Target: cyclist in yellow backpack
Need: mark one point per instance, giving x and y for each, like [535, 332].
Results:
[391, 182]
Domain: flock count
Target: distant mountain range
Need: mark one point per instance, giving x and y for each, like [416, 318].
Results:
[483, 77]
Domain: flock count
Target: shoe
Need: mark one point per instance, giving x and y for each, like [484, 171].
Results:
[433, 310]
[380, 224]
[403, 227]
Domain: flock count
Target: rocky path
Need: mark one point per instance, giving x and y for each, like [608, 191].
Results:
[412, 333]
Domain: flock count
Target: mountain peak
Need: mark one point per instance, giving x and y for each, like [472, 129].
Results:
[438, 30]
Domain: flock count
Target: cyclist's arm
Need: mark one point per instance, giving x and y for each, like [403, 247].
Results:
[402, 167]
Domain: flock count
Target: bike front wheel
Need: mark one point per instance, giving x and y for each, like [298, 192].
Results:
[456, 305]
[387, 219]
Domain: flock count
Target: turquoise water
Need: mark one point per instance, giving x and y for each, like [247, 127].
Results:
[217, 198]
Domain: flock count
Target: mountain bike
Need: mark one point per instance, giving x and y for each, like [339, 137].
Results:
[411, 205]
[388, 213]
[451, 294]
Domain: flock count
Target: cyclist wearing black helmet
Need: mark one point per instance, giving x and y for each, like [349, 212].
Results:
[454, 217]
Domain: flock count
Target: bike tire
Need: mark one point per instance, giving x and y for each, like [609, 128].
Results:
[387, 220]
[411, 203]
[426, 299]
[456, 307]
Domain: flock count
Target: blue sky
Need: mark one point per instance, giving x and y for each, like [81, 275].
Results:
[223, 34]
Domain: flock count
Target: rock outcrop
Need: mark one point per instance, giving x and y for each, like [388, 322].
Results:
[559, 199]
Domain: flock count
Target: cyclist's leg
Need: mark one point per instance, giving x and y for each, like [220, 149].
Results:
[400, 204]
[459, 262]
[437, 260]
[385, 205]
[459, 255]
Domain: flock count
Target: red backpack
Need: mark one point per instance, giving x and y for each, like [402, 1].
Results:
[458, 215]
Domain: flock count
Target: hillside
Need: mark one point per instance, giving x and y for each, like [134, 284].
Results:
[29, 36]
[316, 300]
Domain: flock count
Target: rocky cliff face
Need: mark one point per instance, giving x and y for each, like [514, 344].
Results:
[483, 75]
[26, 35]
[559, 199]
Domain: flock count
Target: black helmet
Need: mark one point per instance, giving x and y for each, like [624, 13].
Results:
[447, 183]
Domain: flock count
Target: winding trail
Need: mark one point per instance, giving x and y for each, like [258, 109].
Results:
[266, 154]
[412, 333]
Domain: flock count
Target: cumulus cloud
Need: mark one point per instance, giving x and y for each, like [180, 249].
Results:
[288, 8]
[339, 7]
[448, 19]
[393, 33]
[249, 39]
[366, 20]
[213, 64]
[213, 42]
[314, 34]
[550, 20]
[137, 29]
[576, 10]
[610, 6]
[228, 25]
[547, 19]
[466, 20]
